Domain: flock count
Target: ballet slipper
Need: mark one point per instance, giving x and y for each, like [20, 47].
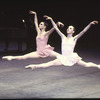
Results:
[7, 57]
[99, 66]
[31, 66]
[27, 66]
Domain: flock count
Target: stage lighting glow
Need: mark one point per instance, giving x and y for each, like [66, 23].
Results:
[23, 20]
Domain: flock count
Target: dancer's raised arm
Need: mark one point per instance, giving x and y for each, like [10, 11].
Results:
[85, 29]
[55, 26]
[60, 24]
[35, 20]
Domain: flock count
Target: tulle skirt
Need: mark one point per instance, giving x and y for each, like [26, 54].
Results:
[45, 52]
[69, 60]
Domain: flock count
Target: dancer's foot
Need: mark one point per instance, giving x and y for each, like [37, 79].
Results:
[31, 66]
[99, 66]
[7, 57]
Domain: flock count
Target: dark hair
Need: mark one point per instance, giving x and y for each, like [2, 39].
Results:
[74, 29]
[46, 24]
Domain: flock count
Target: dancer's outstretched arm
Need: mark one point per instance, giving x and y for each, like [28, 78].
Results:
[85, 29]
[55, 26]
[60, 24]
[36, 23]
[35, 20]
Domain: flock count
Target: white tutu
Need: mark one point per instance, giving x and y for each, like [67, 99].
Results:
[69, 60]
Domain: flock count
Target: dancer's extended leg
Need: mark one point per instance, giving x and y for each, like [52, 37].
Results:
[88, 64]
[45, 65]
[29, 55]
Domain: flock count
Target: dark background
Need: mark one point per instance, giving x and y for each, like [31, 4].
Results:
[78, 13]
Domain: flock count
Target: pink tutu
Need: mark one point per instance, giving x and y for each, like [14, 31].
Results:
[45, 52]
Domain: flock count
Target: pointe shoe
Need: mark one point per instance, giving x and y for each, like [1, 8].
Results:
[99, 66]
[27, 66]
[7, 57]
[4, 57]
[31, 66]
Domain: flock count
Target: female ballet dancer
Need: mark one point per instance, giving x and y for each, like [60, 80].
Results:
[68, 57]
[43, 49]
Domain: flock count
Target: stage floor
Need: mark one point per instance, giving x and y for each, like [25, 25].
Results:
[76, 81]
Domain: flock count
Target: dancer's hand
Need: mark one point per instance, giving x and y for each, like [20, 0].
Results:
[47, 17]
[94, 22]
[32, 12]
[60, 24]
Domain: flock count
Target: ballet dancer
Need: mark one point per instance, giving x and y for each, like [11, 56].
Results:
[68, 56]
[43, 49]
